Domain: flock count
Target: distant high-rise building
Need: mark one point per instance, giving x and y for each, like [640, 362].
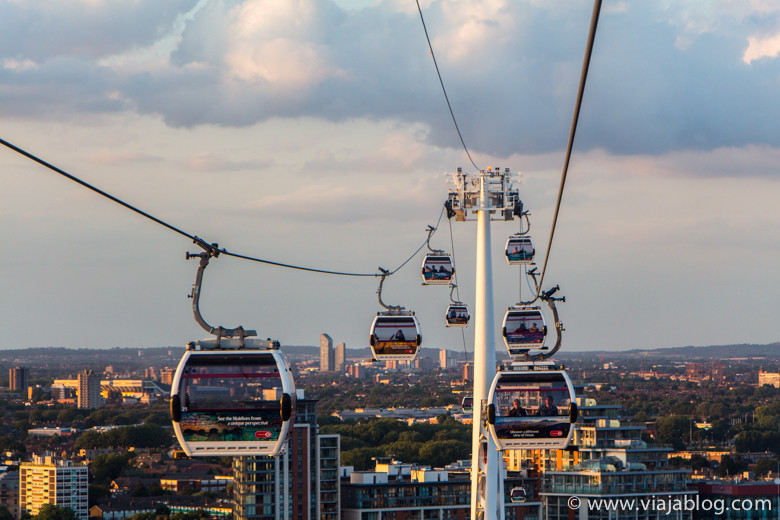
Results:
[423, 363]
[47, 480]
[89, 390]
[166, 376]
[357, 371]
[327, 358]
[768, 378]
[18, 379]
[468, 372]
[9, 492]
[444, 359]
[341, 356]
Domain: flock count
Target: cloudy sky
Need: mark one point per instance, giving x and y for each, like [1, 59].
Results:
[315, 132]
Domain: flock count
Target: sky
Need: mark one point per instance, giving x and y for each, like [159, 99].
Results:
[315, 133]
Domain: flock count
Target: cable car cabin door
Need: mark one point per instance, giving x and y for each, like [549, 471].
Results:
[531, 410]
[232, 402]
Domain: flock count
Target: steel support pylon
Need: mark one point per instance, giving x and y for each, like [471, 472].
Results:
[484, 196]
[485, 463]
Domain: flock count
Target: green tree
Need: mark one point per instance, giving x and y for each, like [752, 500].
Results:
[673, 429]
[699, 462]
[108, 467]
[96, 493]
[764, 466]
[66, 415]
[52, 512]
[5, 514]
[441, 453]
[360, 458]
[730, 466]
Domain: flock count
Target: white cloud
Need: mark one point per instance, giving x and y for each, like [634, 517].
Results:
[758, 48]
[269, 42]
[12, 64]
[282, 63]
[510, 68]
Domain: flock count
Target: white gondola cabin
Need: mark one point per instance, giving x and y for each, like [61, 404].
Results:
[437, 269]
[457, 315]
[395, 336]
[232, 402]
[517, 495]
[519, 250]
[524, 329]
[531, 409]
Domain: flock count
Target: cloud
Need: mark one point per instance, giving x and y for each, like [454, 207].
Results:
[12, 64]
[761, 48]
[664, 76]
[109, 156]
[208, 161]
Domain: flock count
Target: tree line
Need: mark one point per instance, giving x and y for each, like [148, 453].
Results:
[434, 445]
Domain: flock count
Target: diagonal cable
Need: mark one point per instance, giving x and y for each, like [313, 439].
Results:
[211, 248]
[444, 90]
[580, 92]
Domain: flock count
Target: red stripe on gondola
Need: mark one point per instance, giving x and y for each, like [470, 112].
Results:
[233, 410]
[235, 375]
[527, 389]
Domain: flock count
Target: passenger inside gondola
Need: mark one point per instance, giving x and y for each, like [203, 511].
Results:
[548, 408]
[519, 251]
[516, 410]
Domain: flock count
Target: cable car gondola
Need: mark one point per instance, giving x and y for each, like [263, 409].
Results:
[517, 495]
[232, 402]
[457, 315]
[524, 329]
[519, 250]
[437, 269]
[532, 408]
[395, 335]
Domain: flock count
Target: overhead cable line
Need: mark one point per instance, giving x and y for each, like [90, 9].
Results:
[212, 249]
[457, 291]
[441, 82]
[93, 188]
[594, 21]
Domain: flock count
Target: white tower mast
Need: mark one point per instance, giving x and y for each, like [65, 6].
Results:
[485, 195]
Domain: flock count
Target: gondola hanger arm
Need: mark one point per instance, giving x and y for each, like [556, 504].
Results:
[384, 274]
[547, 297]
[209, 251]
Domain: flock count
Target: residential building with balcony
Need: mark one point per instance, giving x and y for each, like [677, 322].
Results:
[399, 491]
[47, 480]
[302, 483]
[610, 461]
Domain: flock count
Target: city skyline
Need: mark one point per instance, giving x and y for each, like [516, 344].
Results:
[316, 134]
